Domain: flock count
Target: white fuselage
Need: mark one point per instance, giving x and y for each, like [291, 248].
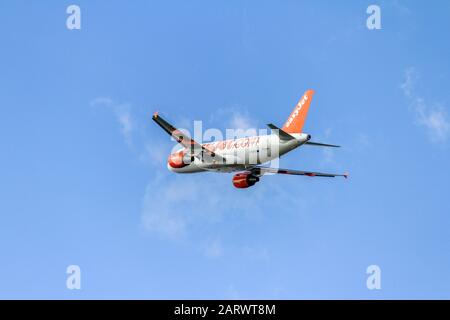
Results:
[243, 153]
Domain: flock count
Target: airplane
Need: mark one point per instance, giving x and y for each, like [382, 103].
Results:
[245, 156]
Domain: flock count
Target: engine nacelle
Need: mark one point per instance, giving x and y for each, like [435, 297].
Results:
[180, 159]
[244, 180]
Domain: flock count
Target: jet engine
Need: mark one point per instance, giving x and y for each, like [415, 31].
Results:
[244, 180]
[180, 159]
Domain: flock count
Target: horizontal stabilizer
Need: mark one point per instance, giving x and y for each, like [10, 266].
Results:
[317, 144]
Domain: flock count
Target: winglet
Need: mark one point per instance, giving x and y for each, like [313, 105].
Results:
[155, 115]
[346, 175]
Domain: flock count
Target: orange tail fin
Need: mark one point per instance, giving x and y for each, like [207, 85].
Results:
[296, 120]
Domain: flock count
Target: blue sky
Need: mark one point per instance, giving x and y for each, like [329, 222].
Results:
[83, 171]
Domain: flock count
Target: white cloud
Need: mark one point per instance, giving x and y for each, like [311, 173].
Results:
[432, 117]
[101, 101]
[161, 211]
[242, 125]
[327, 153]
[126, 122]
[401, 7]
[240, 121]
[153, 154]
[123, 116]
[174, 206]
[213, 248]
[135, 131]
[237, 119]
[256, 253]
[172, 203]
[409, 83]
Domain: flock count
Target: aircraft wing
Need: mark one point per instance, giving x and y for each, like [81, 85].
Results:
[263, 170]
[194, 147]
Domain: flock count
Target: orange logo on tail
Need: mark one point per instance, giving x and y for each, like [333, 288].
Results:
[296, 120]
